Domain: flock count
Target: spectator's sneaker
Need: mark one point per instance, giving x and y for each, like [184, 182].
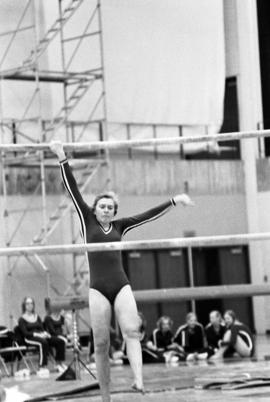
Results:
[190, 357]
[202, 356]
[43, 372]
[59, 368]
[174, 359]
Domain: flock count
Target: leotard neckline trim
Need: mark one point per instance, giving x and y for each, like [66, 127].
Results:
[105, 231]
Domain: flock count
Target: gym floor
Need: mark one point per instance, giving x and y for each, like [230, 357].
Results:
[181, 382]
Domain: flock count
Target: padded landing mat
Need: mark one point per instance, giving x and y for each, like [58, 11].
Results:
[232, 382]
[45, 390]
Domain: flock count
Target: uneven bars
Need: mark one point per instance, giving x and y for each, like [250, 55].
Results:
[96, 145]
[173, 295]
[203, 241]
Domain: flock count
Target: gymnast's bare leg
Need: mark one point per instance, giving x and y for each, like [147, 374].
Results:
[127, 316]
[100, 320]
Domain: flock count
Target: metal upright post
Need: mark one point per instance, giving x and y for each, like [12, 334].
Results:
[63, 60]
[65, 95]
[6, 234]
[41, 138]
[191, 275]
[105, 120]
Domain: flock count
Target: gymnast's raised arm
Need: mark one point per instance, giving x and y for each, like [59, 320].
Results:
[132, 222]
[68, 178]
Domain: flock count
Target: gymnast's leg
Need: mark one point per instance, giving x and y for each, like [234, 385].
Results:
[100, 320]
[128, 319]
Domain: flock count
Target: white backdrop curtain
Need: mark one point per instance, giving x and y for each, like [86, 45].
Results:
[164, 61]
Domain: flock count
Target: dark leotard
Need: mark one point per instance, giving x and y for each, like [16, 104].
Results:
[106, 270]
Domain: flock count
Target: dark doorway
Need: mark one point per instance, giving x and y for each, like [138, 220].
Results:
[263, 8]
[222, 266]
[173, 272]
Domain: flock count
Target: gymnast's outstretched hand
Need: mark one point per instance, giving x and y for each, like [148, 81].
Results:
[183, 199]
[57, 148]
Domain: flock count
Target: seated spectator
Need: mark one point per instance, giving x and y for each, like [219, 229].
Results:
[214, 331]
[191, 338]
[34, 334]
[237, 339]
[54, 322]
[161, 341]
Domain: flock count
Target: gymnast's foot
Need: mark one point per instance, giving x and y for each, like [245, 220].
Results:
[138, 388]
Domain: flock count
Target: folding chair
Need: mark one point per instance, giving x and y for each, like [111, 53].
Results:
[10, 352]
[30, 351]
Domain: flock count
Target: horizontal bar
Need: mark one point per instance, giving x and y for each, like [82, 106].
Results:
[199, 241]
[141, 142]
[173, 295]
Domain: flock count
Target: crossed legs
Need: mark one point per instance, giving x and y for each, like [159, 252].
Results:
[240, 347]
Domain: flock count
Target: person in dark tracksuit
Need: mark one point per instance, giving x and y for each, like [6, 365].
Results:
[214, 331]
[34, 334]
[191, 338]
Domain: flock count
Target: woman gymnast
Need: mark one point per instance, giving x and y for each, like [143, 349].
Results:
[109, 286]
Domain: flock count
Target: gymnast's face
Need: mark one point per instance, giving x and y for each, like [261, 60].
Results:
[104, 210]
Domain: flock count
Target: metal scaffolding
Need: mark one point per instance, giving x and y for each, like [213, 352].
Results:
[65, 38]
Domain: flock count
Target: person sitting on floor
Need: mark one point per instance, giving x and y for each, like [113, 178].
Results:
[34, 334]
[161, 341]
[237, 340]
[214, 331]
[190, 337]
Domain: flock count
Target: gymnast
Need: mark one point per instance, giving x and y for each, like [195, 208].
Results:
[109, 286]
